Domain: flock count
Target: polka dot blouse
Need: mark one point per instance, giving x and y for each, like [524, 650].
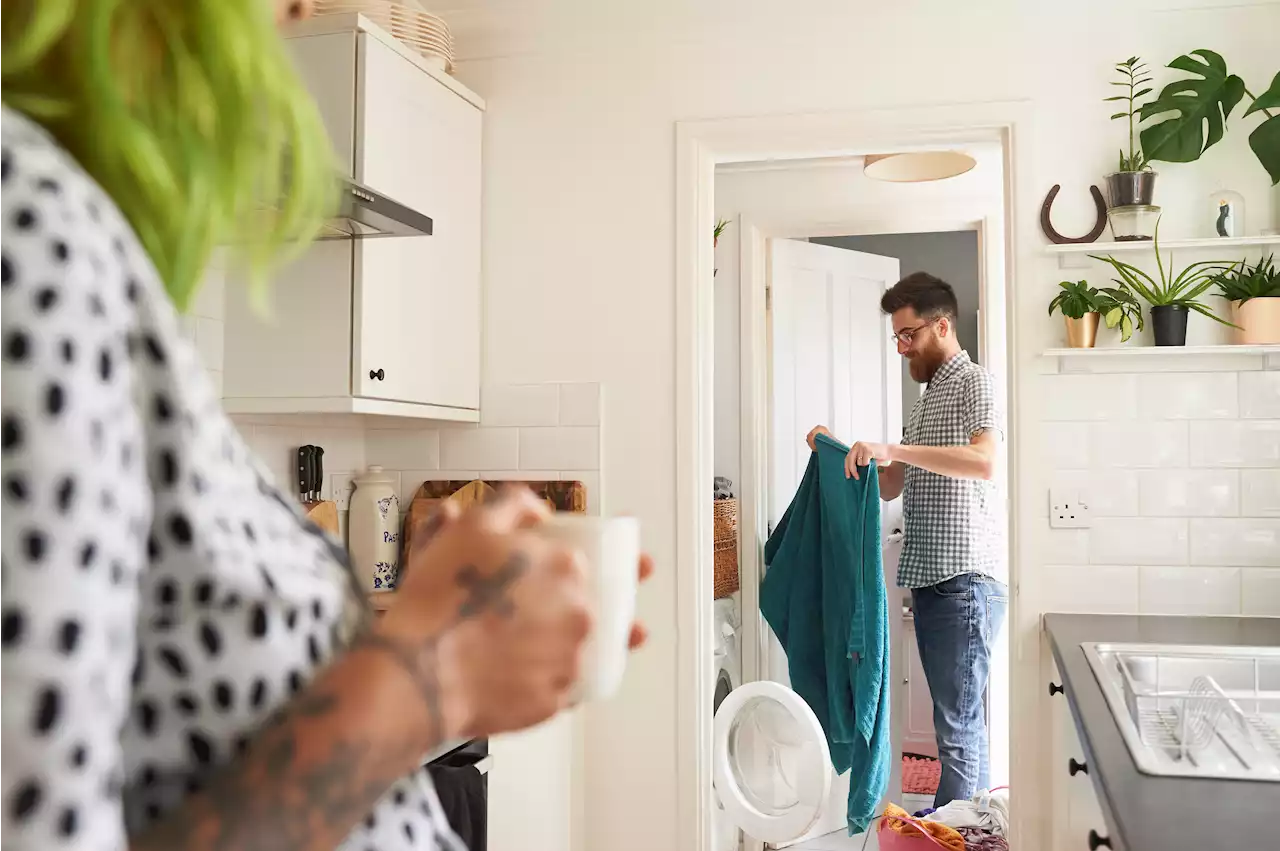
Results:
[161, 601]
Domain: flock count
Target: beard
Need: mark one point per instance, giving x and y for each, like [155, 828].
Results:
[923, 365]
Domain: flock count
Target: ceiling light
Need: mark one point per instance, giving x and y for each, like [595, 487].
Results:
[917, 166]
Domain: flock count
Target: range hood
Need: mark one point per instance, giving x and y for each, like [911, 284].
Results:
[363, 214]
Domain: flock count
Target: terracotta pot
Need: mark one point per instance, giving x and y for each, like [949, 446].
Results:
[1082, 333]
[1259, 321]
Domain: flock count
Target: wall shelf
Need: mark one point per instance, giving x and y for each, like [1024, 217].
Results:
[1157, 358]
[1075, 256]
[1145, 245]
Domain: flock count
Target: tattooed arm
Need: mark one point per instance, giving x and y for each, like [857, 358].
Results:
[484, 638]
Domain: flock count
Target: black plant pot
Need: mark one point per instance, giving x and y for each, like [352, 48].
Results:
[1130, 188]
[1169, 322]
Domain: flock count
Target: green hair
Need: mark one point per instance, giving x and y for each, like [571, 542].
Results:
[189, 115]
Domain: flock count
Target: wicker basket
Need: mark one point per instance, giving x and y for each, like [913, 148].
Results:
[724, 538]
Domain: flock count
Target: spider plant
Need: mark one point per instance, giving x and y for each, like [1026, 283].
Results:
[1181, 290]
[1261, 280]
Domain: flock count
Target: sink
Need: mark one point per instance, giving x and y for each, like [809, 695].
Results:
[1194, 711]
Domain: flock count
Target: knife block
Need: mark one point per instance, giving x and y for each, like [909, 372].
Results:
[324, 514]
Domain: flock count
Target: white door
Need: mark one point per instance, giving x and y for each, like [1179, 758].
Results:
[832, 363]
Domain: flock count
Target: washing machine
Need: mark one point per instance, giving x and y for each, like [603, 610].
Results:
[727, 670]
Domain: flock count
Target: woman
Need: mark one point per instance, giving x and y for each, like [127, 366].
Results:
[162, 602]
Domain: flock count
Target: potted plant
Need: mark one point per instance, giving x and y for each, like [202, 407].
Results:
[1172, 297]
[1083, 307]
[715, 239]
[1133, 184]
[1254, 294]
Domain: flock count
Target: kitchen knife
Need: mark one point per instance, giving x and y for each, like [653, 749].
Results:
[317, 471]
[304, 471]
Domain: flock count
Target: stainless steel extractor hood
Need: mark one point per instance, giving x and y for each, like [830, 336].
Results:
[364, 213]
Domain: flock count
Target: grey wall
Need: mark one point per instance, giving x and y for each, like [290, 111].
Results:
[951, 255]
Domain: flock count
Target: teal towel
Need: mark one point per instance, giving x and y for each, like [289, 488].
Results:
[824, 596]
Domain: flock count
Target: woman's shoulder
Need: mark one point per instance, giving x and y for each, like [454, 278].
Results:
[65, 242]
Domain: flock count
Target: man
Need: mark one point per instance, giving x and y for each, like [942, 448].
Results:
[952, 550]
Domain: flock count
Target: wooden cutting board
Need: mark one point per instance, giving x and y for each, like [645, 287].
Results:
[565, 496]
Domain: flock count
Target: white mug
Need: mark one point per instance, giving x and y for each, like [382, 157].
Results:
[611, 546]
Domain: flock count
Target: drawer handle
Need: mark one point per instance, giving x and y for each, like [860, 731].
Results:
[1074, 768]
[377, 374]
[1054, 688]
[1096, 841]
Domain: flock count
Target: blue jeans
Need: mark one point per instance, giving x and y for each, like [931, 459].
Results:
[957, 622]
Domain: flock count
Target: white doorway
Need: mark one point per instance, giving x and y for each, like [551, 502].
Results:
[759, 495]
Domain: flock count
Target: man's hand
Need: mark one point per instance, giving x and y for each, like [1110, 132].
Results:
[812, 439]
[862, 453]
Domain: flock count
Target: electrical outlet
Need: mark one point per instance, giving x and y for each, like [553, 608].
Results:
[1068, 510]
[341, 486]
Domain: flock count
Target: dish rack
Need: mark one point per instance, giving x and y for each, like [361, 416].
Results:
[1202, 712]
[426, 34]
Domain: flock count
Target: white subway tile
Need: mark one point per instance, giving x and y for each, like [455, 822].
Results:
[565, 448]
[1095, 398]
[1066, 445]
[1235, 443]
[519, 405]
[481, 449]
[411, 480]
[1260, 395]
[1108, 493]
[1190, 493]
[580, 404]
[397, 449]
[1260, 493]
[215, 380]
[1188, 396]
[1189, 590]
[1137, 541]
[1138, 444]
[1245, 542]
[523, 476]
[1067, 546]
[209, 342]
[1260, 592]
[1091, 588]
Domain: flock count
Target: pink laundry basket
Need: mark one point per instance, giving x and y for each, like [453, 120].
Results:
[890, 840]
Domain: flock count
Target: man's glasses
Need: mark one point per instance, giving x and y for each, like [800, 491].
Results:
[905, 336]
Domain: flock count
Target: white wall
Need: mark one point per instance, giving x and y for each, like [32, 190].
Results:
[579, 233]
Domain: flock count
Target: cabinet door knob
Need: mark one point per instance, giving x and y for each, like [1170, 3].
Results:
[377, 374]
[1096, 841]
[1074, 768]
[1054, 688]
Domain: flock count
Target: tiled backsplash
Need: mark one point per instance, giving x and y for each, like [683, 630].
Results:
[1181, 473]
[528, 432]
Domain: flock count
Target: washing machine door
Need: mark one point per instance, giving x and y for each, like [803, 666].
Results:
[770, 762]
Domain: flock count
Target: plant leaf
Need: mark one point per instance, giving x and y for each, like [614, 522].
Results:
[1265, 142]
[1200, 107]
[1137, 95]
[1126, 328]
[1270, 99]
[1119, 115]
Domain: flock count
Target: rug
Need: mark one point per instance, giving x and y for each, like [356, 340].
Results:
[920, 775]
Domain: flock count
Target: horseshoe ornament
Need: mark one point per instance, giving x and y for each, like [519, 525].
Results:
[1058, 239]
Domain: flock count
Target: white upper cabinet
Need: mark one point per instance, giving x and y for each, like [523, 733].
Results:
[385, 325]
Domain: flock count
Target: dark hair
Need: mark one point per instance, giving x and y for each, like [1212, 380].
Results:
[930, 296]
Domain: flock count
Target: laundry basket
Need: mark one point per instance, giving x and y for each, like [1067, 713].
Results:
[725, 544]
[901, 832]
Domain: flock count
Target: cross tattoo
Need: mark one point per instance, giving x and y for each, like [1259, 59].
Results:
[490, 592]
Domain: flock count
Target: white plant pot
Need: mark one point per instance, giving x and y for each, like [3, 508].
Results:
[373, 530]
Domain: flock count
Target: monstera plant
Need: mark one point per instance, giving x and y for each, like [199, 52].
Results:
[1193, 113]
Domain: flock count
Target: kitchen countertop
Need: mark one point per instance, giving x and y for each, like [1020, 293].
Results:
[1144, 811]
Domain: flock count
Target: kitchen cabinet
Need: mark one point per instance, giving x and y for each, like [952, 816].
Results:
[918, 735]
[386, 325]
[1075, 811]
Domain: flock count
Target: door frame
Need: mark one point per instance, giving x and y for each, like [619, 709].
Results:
[700, 147]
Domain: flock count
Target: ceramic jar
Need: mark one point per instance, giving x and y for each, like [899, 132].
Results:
[373, 530]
